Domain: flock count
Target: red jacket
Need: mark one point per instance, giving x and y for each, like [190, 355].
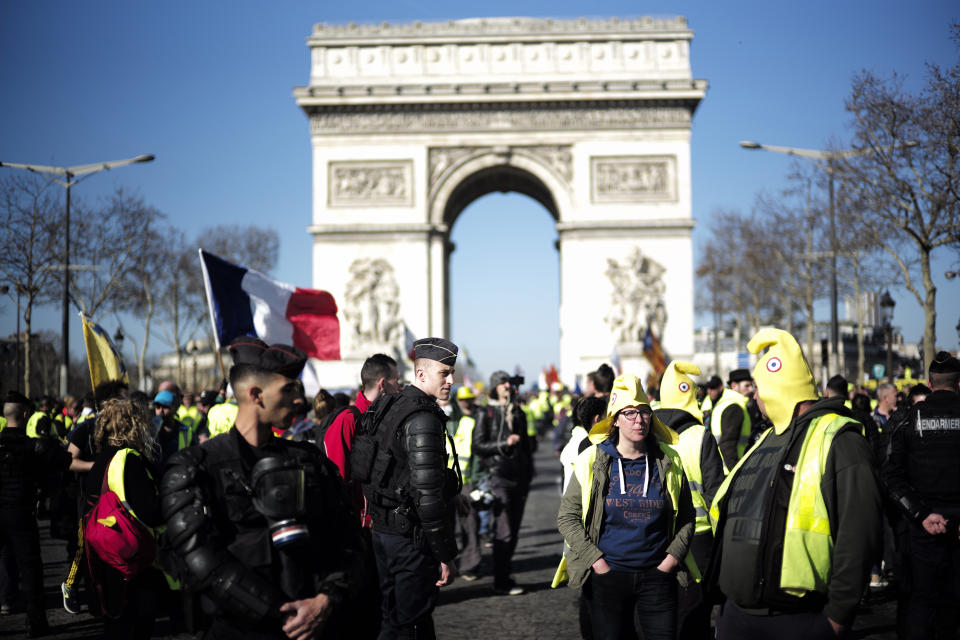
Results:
[337, 442]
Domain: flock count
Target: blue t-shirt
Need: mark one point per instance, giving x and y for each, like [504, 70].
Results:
[635, 527]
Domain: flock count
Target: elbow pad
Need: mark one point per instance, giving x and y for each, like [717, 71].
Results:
[238, 591]
[181, 501]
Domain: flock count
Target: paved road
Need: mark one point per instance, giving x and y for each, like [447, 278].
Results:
[466, 608]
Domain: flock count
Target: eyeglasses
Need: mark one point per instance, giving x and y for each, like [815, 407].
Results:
[634, 414]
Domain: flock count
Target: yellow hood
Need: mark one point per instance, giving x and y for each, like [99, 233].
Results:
[782, 375]
[678, 390]
[627, 392]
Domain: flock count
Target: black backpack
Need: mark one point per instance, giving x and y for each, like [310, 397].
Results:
[372, 460]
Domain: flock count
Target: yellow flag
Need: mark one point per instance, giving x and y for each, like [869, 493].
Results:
[104, 360]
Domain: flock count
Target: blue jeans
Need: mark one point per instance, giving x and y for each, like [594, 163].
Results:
[619, 596]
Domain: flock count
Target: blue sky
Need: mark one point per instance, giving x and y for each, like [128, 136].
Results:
[206, 87]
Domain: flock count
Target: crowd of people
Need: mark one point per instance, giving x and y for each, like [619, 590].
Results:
[752, 508]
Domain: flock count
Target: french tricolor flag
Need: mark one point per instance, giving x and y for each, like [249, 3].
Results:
[244, 302]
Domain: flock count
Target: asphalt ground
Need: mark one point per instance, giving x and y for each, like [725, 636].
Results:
[466, 609]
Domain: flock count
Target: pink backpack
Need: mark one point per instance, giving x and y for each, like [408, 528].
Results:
[113, 535]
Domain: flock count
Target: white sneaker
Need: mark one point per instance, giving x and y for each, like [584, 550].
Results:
[71, 603]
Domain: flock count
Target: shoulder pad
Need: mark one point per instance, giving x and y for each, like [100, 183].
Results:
[423, 422]
[189, 457]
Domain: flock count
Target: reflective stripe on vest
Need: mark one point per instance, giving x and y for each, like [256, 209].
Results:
[221, 417]
[583, 472]
[115, 469]
[808, 541]
[731, 397]
[462, 442]
[691, 442]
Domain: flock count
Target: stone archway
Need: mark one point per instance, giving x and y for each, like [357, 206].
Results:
[411, 123]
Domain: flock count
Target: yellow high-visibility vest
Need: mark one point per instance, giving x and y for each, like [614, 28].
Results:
[808, 541]
[221, 417]
[688, 448]
[583, 472]
[731, 397]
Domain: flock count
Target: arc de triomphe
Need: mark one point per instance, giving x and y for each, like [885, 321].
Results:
[411, 123]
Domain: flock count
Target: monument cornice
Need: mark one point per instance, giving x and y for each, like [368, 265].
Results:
[473, 93]
[500, 116]
[365, 230]
[586, 227]
[489, 29]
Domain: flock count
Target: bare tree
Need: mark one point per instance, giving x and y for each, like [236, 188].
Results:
[793, 224]
[862, 266]
[142, 282]
[112, 242]
[908, 174]
[713, 273]
[29, 217]
[253, 247]
[178, 301]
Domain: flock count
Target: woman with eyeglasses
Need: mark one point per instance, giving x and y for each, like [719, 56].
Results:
[628, 519]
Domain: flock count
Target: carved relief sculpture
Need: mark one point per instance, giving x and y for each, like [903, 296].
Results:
[365, 184]
[445, 159]
[371, 304]
[637, 299]
[633, 178]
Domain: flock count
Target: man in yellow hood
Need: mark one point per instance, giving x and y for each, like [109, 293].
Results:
[703, 469]
[797, 522]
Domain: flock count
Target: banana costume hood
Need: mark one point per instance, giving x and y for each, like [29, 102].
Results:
[627, 392]
[782, 376]
[678, 390]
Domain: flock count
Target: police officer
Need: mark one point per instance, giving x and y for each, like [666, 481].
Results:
[259, 525]
[797, 522]
[703, 469]
[24, 463]
[922, 473]
[409, 499]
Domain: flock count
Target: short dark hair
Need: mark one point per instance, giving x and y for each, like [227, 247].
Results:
[587, 409]
[919, 389]
[375, 367]
[108, 391]
[603, 378]
[242, 372]
[838, 384]
[944, 380]
[861, 402]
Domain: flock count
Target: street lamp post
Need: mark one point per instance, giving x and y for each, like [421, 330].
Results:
[80, 172]
[825, 160]
[887, 304]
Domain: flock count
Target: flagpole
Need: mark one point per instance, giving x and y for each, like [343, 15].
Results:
[213, 320]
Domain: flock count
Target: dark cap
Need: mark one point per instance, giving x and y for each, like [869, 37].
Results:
[838, 384]
[943, 362]
[15, 397]
[498, 377]
[208, 397]
[438, 349]
[740, 375]
[275, 358]
[714, 383]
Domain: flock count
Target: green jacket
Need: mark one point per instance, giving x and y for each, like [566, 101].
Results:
[582, 540]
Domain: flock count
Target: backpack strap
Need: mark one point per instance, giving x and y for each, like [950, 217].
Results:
[113, 477]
